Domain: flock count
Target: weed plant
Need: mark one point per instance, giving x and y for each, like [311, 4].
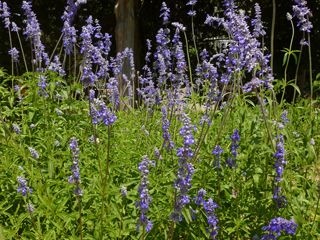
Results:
[91, 149]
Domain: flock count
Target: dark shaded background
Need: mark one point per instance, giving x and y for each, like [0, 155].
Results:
[49, 13]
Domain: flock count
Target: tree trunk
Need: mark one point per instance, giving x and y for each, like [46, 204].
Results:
[126, 35]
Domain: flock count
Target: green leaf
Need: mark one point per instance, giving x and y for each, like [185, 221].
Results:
[295, 87]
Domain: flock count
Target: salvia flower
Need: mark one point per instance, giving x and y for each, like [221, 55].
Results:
[75, 168]
[164, 13]
[192, 13]
[99, 112]
[42, 84]
[185, 171]
[217, 151]
[199, 199]
[235, 138]
[258, 29]
[312, 142]
[16, 128]
[167, 142]
[14, 27]
[144, 196]
[5, 14]
[14, 53]
[279, 164]
[23, 186]
[33, 152]
[243, 52]
[69, 37]
[212, 220]
[148, 91]
[192, 2]
[163, 56]
[30, 207]
[56, 66]
[209, 207]
[32, 31]
[302, 13]
[277, 226]
[123, 191]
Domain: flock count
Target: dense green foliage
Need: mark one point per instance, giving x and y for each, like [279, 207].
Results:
[244, 194]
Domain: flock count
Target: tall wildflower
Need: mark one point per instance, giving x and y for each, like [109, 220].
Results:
[302, 13]
[179, 77]
[207, 72]
[258, 29]
[5, 14]
[279, 168]
[25, 191]
[167, 142]
[209, 207]
[235, 138]
[56, 66]
[23, 186]
[14, 53]
[277, 226]
[191, 3]
[162, 54]
[99, 111]
[34, 153]
[164, 13]
[144, 196]
[185, 171]
[243, 52]
[33, 33]
[148, 91]
[75, 168]
[88, 76]
[279, 164]
[16, 128]
[217, 151]
[69, 32]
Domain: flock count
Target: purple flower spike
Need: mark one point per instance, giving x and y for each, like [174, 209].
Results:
[34, 153]
[5, 14]
[302, 13]
[23, 186]
[217, 151]
[75, 168]
[164, 13]
[167, 142]
[32, 31]
[209, 207]
[14, 53]
[235, 138]
[277, 226]
[185, 172]
[199, 199]
[280, 162]
[16, 128]
[144, 196]
[258, 30]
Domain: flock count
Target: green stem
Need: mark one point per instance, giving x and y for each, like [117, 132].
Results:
[274, 7]
[296, 74]
[22, 51]
[108, 154]
[310, 68]
[194, 39]
[55, 48]
[188, 58]
[80, 217]
[265, 120]
[287, 63]
[10, 40]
